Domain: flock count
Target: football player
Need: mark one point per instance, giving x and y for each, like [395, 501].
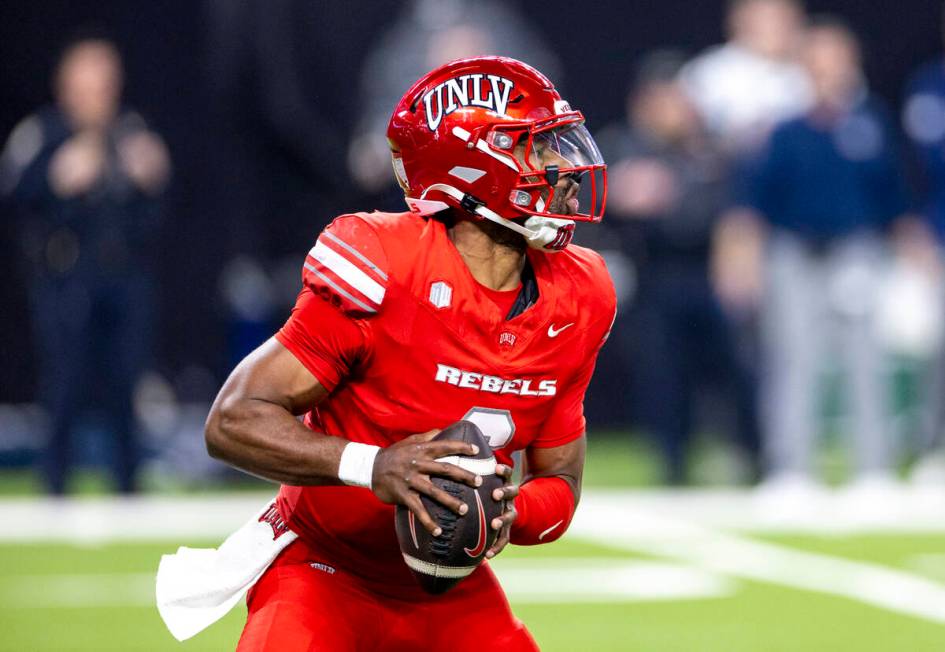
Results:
[472, 305]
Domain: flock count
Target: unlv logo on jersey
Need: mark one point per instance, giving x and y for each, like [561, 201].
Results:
[487, 91]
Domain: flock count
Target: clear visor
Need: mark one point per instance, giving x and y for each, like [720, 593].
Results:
[572, 142]
[573, 180]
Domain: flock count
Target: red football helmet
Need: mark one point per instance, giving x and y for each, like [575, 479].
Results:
[492, 136]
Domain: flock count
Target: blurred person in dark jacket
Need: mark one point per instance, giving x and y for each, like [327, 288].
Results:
[668, 187]
[86, 174]
[923, 119]
[829, 188]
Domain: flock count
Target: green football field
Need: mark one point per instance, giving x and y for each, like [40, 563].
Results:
[641, 569]
[574, 595]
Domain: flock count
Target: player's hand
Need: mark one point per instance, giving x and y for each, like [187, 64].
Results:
[402, 473]
[503, 523]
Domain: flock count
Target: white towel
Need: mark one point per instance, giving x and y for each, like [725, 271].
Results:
[198, 586]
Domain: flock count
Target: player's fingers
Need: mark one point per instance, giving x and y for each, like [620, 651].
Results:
[437, 449]
[505, 520]
[415, 505]
[427, 488]
[500, 543]
[451, 471]
[505, 492]
[422, 437]
[503, 470]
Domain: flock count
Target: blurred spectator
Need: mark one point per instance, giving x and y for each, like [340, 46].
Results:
[87, 173]
[667, 189]
[746, 86]
[829, 185]
[428, 34]
[279, 92]
[924, 124]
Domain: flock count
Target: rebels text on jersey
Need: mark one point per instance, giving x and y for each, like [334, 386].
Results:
[391, 321]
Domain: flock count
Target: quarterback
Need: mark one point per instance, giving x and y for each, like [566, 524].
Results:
[472, 305]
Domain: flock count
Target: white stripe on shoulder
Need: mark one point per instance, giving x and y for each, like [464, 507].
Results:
[340, 290]
[348, 272]
[357, 254]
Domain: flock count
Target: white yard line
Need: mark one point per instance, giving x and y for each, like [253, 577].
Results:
[526, 582]
[209, 517]
[78, 590]
[178, 519]
[616, 524]
[560, 580]
[698, 529]
[930, 565]
[820, 511]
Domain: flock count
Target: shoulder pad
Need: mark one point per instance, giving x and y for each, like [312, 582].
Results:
[348, 266]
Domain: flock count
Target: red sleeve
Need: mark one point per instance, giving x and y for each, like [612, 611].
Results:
[545, 508]
[326, 341]
[566, 421]
[344, 280]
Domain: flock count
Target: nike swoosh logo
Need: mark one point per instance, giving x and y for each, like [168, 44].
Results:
[554, 332]
[548, 531]
[481, 543]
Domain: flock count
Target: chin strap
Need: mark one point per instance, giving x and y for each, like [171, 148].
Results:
[545, 233]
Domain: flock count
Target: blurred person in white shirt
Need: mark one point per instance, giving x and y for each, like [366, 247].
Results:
[742, 88]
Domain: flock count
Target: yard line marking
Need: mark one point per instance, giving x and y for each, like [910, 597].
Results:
[607, 581]
[630, 528]
[555, 580]
[840, 511]
[77, 590]
[930, 565]
[211, 517]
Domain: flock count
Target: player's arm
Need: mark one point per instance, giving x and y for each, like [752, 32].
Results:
[542, 507]
[252, 426]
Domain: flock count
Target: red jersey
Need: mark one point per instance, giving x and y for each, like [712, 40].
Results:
[392, 323]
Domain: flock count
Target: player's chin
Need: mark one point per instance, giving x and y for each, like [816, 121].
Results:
[565, 204]
[564, 207]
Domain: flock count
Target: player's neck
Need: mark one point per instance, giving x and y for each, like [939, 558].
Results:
[497, 265]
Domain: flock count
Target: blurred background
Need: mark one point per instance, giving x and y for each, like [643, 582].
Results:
[775, 229]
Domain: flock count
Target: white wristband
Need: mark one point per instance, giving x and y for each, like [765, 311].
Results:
[357, 464]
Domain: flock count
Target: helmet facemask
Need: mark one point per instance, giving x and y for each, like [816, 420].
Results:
[561, 171]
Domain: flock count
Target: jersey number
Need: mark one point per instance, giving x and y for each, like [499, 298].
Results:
[496, 425]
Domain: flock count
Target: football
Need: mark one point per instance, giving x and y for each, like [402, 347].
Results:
[439, 563]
